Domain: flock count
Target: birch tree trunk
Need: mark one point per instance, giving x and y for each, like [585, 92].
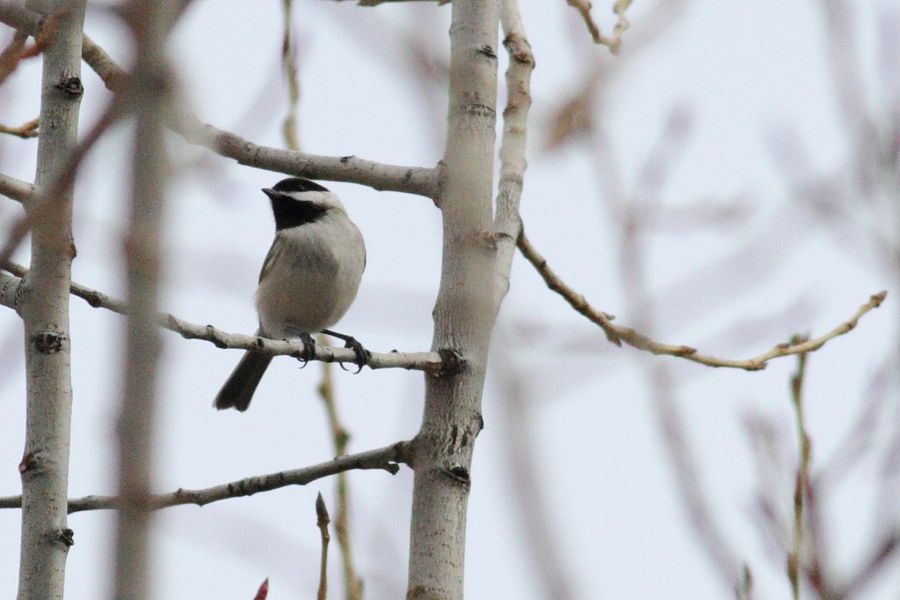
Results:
[464, 312]
[44, 307]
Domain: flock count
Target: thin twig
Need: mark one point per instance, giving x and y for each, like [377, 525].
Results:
[40, 203]
[388, 459]
[26, 130]
[613, 42]
[353, 585]
[436, 364]
[881, 556]
[322, 521]
[289, 66]
[617, 334]
[795, 558]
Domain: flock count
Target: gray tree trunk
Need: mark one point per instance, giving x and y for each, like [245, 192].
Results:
[44, 306]
[464, 312]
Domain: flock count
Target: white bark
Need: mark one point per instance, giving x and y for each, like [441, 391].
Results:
[464, 312]
[43, 302]
[146, 95]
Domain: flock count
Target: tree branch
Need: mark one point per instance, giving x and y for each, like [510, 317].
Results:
[26, 130]
[436, 364]
[617, 334]
[15, 189]
[388, 459]
[380, 176]
[507, 222]
[412, 180]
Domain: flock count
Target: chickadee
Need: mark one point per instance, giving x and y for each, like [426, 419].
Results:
[308, 280]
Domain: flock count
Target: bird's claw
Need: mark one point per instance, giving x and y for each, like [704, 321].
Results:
[362, 355]
[309, 349]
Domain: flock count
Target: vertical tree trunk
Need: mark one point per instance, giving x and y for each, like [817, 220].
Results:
[146, 96]
[464, 312]
[44, 306]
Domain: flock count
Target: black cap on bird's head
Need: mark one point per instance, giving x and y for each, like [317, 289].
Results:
[297, 201]
[297, 184]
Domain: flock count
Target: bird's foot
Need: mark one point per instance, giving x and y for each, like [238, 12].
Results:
[362, 355]
[309, 349]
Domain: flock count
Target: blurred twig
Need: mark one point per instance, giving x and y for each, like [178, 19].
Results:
[353, 585]
[613, 42]
[26, 130]
[289, 66]
[795, 558]
[322, 521]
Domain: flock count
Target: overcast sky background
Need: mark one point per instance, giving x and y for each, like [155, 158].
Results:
[737, 75]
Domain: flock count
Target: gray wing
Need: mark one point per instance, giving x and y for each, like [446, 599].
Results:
[275, 250]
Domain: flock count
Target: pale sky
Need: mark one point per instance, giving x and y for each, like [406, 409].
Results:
[743, 75]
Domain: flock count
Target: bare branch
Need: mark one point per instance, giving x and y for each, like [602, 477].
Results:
[16, 189]
[388, 459]
[42, 203]
[801, 481]
[26, 130]
[147, 96]
[436, 364]
[617, 334]
[508, 222]
[614, 42]
[883, 553]
[353, 585]
[322, 521]
[380, 176]
[413, 180]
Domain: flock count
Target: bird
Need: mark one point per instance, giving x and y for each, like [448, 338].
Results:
[308, 280]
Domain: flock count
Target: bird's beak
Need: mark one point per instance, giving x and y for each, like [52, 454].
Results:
[269, 192]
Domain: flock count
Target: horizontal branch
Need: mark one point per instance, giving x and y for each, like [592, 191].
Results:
[14, 188]
[413, 180]
[617, 334]
[388, 458]
[433, 363]
[380, 176]
[26, 130]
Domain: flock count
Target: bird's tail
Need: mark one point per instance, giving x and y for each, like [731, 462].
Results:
[238, 390]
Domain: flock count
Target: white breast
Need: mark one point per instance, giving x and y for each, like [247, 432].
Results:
[312, 277]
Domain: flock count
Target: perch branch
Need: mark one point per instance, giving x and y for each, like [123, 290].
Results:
[617, 334]
[433, 363]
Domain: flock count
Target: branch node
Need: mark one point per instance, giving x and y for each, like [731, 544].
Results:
[65, 537]
[487, 50]
[49, 342]
[459, 474]
[451, 364]
[71, 87]
[215, 337]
